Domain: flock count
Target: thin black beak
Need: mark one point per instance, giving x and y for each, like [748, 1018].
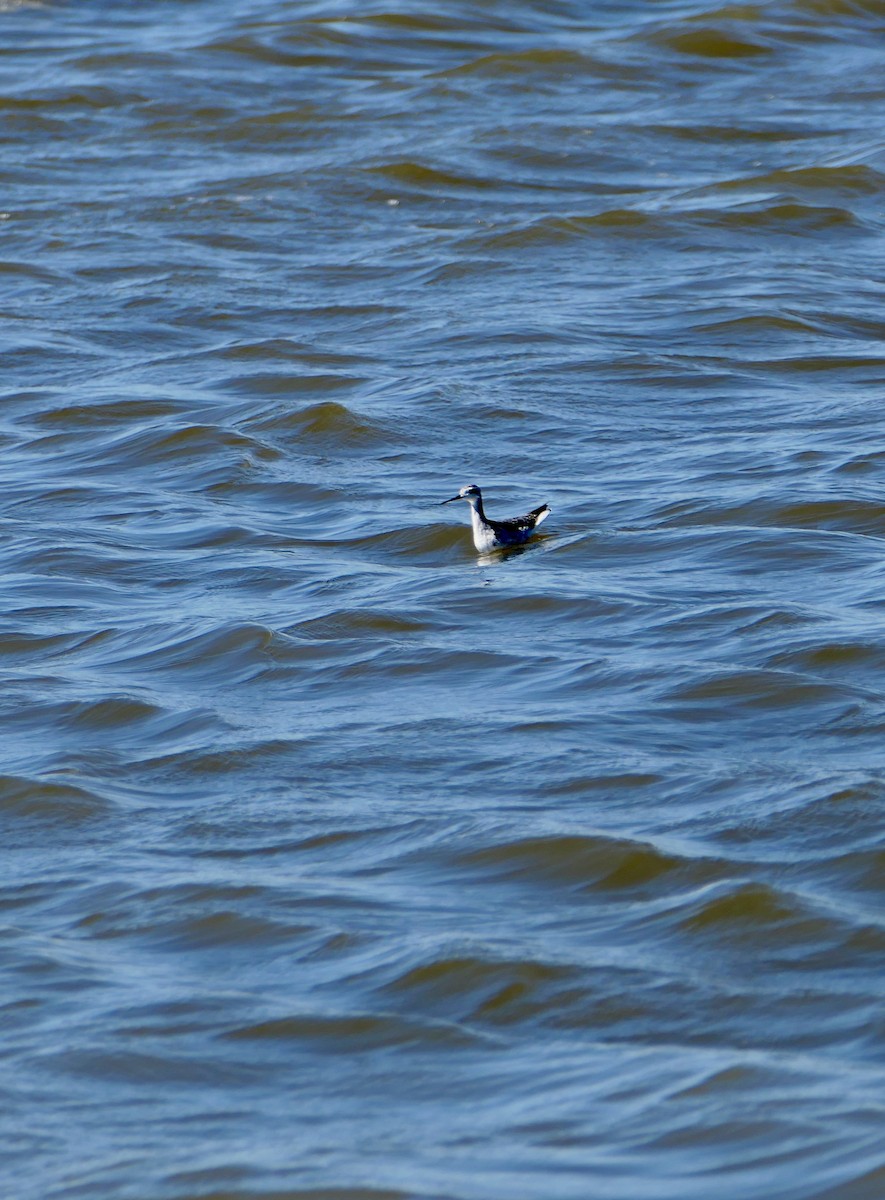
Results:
[450, 499]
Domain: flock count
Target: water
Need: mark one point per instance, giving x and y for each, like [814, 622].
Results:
[338, 862]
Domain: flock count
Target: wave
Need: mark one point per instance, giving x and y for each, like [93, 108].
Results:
[744, 691]
[352, 1032]
[523, 64]
[844, 514]
[49, 802]
[325, 426]
[589, 863]
[710, 42]
[481, 989]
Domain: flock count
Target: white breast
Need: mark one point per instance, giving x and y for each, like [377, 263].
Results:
[483, 536]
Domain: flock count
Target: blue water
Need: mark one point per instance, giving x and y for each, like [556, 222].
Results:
[342, 863]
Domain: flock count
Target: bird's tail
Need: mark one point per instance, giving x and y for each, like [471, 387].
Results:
[540, 514]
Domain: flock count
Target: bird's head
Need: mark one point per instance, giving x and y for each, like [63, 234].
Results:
[469, 492]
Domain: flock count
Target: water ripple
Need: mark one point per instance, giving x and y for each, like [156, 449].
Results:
[344, 862]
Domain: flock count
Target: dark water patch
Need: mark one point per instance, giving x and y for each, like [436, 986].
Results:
[429, 546]
[861, 870]
[354, 1032]
[142, 1069]
[360, 625]
[80, 644]
[842, 514]
[776, 129]
[88, 503]
[522, 66]
[629, 1004]
[855, 516]
[24, 645]
[239, 839]
[111, 713]
[206, 932]
[206, 453]
[803, 826]
[107, 414]
[860, 464]
[789, 218]
[196, 1179]
[201, 534]
[847, 657]
[776, 922]
[741, 1078]
[532, 611]
[451, 272]
[59, 99]
[477, 23]
[860, 1184]
[321, 48]
[710, 42]
[14, 269]
[477, 989]
[41, 961]
[359, 316]
[47, 802]
[13, 896]
[734, 693]
[229, 759]
[307, 123]
[857, 365]
[735, 619]
[191, 918]
[848, 180]
[53, 360]
[169, 1018]
[235, 651]
[273, 384]
[288, 350]
[628, 781]
[462, 666]
[112, 721]
[566, 229]
[589, 863]
[838, 8]
[420, 177]
[124, 62]
[324, 428]
[764, 324]
[199, 444]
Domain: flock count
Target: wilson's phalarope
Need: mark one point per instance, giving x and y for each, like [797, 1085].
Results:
[493, 535]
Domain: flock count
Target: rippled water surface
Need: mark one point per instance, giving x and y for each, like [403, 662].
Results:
[338, 862]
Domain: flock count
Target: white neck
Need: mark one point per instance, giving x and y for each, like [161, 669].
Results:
[483, 538]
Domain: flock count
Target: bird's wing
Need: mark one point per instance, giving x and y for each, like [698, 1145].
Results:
[531, 519]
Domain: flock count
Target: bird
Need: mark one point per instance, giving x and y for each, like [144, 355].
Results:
[497, 535]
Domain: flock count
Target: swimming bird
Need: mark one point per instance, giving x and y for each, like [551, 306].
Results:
[494, 535]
